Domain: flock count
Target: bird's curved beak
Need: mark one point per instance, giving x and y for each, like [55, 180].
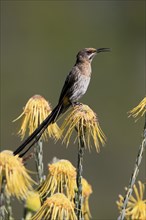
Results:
[103, 50]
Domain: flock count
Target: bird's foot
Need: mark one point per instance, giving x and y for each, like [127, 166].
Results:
[76, 103]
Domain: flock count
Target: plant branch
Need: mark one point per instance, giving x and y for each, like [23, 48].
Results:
[78, 199]
[39, 161]
[134, 174]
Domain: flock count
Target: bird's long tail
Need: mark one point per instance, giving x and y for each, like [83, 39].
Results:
[35, 136]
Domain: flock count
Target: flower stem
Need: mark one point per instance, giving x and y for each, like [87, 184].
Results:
[40, 170]
[134, 174]
[39, 161]
[2, 200]
[78, 197]
[9, 207]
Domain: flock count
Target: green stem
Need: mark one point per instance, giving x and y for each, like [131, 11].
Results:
[2, 200]
[5, 203]
[9, 207]
[134, 174]
[78, 197]
[39, 161]
[40, 170]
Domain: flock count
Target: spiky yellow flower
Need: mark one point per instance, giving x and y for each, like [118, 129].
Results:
[136, 207]
[18, 182]
[139, 110]
[56, 207]
[86, 192]
[61, 178]
[35, 111]
[85, 121]
[33, 202]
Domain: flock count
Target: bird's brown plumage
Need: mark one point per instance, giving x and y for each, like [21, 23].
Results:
[75, 86]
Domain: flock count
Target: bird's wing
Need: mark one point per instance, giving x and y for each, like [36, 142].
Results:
[71, 78]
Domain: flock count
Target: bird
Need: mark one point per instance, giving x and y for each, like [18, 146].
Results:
[75, 86]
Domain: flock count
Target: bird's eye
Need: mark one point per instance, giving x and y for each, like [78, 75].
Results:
[89, 52]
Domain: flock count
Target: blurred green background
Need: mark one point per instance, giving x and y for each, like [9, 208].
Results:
[39, 43]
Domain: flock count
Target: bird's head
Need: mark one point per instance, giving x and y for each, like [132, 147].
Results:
[88, 54]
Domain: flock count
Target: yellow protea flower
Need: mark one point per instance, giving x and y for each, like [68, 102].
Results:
[136, 207]
[139, 110]
[86, 192]
[85, 121]
[33, 202]
[35, 112]
[18, 182]
[56, 207]
[61, 178]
